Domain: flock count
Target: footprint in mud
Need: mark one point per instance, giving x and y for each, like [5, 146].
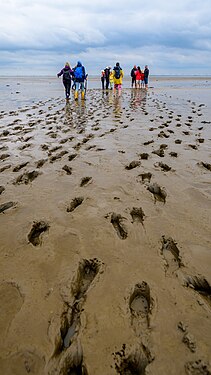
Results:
[133, 165]
[70, 319]
[137, 215]
[11, 302]
[58, 156]
[20, 166]
[34, 234]
[145, 177]
[205, 165]
[159, 193]
[148, 142]
[4, 156]
[159, 152]
[116, 221]
[87, 271]
[40, 163]
[173, 154]
[85, 181]
[27, 177]
[171, 254]
[67, 169]
[144, 156]
[194, 147]
[201, 286]
[198, 367]
[2, 188]
[140, 304]
[134, 363]
[72, 156]
[164, 167]
[6, 206]
[25, 146]
[75, 203]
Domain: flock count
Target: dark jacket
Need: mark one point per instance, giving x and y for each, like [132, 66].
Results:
[146, 73]
[107, 73]
[66, 72]
[133, 73]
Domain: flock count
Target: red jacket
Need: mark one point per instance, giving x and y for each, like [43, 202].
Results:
[138, 75]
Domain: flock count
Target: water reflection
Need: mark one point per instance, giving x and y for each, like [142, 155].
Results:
[138, 98]
[75, 114]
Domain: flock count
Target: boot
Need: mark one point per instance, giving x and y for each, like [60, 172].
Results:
[76, 95]
[83, 95]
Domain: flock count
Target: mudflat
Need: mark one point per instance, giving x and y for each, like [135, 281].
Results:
[105, 241]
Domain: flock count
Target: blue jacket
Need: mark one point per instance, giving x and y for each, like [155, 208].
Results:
[83, 77]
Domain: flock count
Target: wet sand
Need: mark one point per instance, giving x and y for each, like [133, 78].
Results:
[105, 235]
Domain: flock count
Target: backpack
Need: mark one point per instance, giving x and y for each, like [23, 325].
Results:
[78, 73]
[66, 75]
[117, 71]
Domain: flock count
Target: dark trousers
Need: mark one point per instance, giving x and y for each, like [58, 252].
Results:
[107, 83]
[67, 85]
[103, 82]
[133, 81]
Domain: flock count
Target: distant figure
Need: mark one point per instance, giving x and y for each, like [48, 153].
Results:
[146, 76]
[107, 75]
[79, 77]
[111, 80]
[138, 77]
[118, 75]
[133, 76]
[102, 79]
[66, 74]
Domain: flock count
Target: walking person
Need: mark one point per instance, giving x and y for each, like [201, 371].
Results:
[133, 76]
[111, 80]
[146, 76]
[80, 77]
[102, 79]
[66, 74]
[118, 76]
[107, 75]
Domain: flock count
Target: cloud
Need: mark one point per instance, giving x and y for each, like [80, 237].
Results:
[43, 34]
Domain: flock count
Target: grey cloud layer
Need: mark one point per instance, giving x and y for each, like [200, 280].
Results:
[153, 32]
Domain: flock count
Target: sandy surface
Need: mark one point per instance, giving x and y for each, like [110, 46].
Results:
[105, 235]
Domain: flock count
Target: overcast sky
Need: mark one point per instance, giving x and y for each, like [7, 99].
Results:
[172, 37]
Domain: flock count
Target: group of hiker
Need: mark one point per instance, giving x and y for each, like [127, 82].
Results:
[110, 79]
[78, 76]
[139, 77]
[109, 76]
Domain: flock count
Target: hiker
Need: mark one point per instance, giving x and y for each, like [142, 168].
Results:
[133, 76]
[138, 77]
[66, 74]
[107, 75]
[102, 79]
[118, 75]
[79, 77]
[146, 76]
[111, 80]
